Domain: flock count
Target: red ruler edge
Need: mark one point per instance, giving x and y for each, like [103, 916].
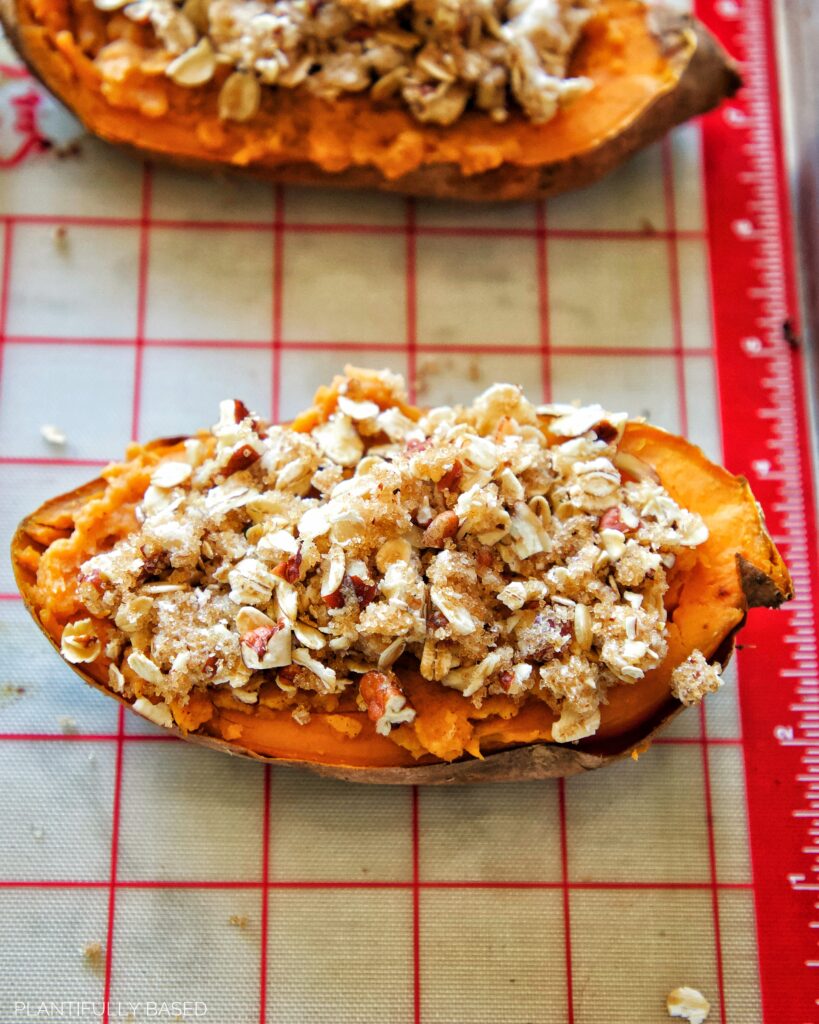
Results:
[765, 436]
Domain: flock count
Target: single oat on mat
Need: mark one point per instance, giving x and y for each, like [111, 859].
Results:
[689, 1004]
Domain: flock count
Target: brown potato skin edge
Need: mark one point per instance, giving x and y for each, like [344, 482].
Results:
[533, 761]
[709, 77]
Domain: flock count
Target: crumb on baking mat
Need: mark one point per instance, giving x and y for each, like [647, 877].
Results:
[689, 1004]
[94, 956]
[53, 435]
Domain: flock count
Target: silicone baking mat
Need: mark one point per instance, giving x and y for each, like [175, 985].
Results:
[143, 879]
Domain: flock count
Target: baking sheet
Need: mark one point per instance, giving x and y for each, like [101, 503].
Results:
[140, 876]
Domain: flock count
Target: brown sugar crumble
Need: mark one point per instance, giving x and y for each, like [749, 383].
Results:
[94, 956]
[694, 679]
[509, 549]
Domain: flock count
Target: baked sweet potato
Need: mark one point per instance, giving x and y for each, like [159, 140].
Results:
[645, 71]
[662, 552]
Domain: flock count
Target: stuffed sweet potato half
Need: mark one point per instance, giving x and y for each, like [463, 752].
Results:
[492, 591]
[475, 99]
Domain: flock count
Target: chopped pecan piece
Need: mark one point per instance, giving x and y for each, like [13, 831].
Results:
[506, 679]
[386, 703]
[450, 480]
[290, 568]
[365, 592]
[334, 600]
[240, 410]
[261, 651]
[612, 519]
[257, 639]
[605, 432]
[484, 557]
[414, 446]
[436, 620]
[243, 456]
[444, 525]
[358, 33]
[155, 563]
[94, 578]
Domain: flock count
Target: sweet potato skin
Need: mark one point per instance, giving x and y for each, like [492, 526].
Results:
[534, 761]
[705, 79]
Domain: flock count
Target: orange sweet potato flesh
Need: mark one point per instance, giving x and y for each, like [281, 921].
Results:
[718, 589]
[643, 86]
[738, 567]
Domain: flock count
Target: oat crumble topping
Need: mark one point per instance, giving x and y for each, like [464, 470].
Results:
[506, 548]
[437, 57]
[691, 681]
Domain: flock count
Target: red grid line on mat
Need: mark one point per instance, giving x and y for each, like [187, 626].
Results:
[712, 863]
[411, 348]
[277, 300]
[265, 889]
[352, 228]
[278, 297]
[385, 345]
[142, 301]
[112, 883]
[8, 242]
[411, 886]
[142, 298]
[416, 907]
[546, 370]
[15, 71]
[567, 915]
[36, 460]
[542, 265]
[672, 255]
[669, 200]
[411, 312]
